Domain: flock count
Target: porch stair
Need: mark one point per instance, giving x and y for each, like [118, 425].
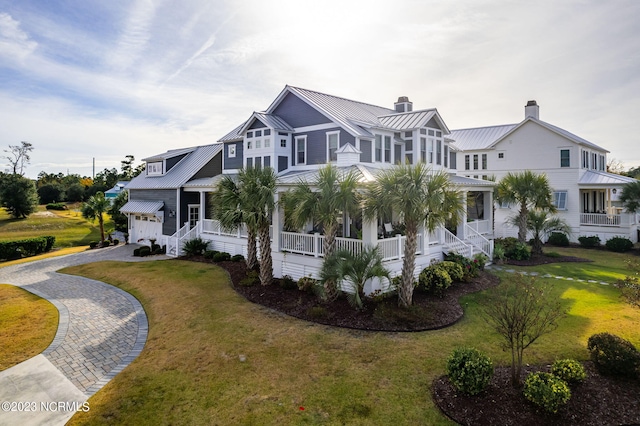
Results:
[456, 245]
[479, 242]
[175, 241]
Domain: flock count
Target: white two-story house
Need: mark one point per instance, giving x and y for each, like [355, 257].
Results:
[585, 195]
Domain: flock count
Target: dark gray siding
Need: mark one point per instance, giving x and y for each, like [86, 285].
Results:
[257, 124]
[233, 163]
[298, 113]
[283, 162]
[365, 147]
[187, 198]
[173, 161]
[433, 124]
[212, 168]
[168, 196]
[317, 144]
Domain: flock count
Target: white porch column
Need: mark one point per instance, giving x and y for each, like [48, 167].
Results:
[203, 206]
[370, 232]
[461, 230]
[488, 208]
[277, 221]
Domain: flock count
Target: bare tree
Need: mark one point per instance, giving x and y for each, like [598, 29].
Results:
[615, 166]
[18, 156]
[522, 311]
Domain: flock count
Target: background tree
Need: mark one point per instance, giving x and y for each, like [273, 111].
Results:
[75, 192]
[95, 208]
[633, 172]
[630, 196]
[18, 195]
[323, 201]
[419, 197]
[530, 191]
[541, 224]
[120, 220]
[353, 270]
[521, 311]
[18, 157]
[50, 193]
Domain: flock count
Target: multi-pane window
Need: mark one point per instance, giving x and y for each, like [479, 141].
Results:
[430, 149]
[438, 152]
[267, 143]
[387, 149]
[283, 143]
[446, 155]
[484, 161]
[423, 149]
[231, 151]
[594, 161]
[501, 155]
[332, 146]
[603, 163]
[585, 159]
[154, 168]
[560, 200]
[565, 158]
[249, 144]
[467, 160]
[475, 162]
[378, 148]
[301, 150]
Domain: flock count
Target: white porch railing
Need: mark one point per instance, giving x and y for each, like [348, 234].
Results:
[393, 248]
[210, 226]
[455, 244]
[482, 227]
[174, 242]
[479, 242]
[602, 219]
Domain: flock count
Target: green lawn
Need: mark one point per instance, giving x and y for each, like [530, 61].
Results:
[295, 372]
[69, 227]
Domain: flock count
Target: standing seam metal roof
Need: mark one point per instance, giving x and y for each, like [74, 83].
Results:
[180, 173]
[479, 137]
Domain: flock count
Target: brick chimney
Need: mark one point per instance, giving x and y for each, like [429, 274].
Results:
[532, 110]
[403, 104]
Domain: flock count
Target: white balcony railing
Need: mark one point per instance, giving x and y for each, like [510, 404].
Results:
[601, 219]
[482, 227]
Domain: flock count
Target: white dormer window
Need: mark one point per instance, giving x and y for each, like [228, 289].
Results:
[154, 168]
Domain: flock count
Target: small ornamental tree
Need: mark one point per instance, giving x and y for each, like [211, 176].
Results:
[521, 311]
[630, 286]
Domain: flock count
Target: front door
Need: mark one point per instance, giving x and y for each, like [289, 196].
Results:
[194, 215]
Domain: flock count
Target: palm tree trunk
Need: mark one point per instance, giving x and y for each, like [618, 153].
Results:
[252, 257]
[329, 247]
[405, 292]
[522, 223]
[101, 222]
[266, 263]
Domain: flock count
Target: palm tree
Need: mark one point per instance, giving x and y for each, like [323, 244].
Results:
[419, 197]
[330, 195]
[529, 190]
[540, 223]
[95, 207]
[228, 208]
[354, 270]
[250, 200]
[630, 196]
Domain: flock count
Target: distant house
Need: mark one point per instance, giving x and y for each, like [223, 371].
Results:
[165, 196]
[300, 132]
[586, 196]
[112, 193]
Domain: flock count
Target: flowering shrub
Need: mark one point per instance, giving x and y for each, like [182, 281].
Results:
[614, 355]
[469, 370]
[569, 370]
[453, 269]
[470, 268]
[434, 279]
[546, 391]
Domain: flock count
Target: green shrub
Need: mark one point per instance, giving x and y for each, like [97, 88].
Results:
[208, 254]
[306, 284]
[546, 391]
[453, 269]
[145, 251]
[288, 283]
[116, 241]
[507, 243]
[498, 253]
[519, 251]
[469, 370]
[106, 243]
[155, 247]
[56, 206]
[553, 254]
[221, 256]
[195, 247]
[613, 355]
[480, 260]
[136, 252]
[589, 242]
[93, 244]
[558, 239]
[251, 279]
[619, 244]
[16, 249]
[470, 268]
[434, 279]
[569, 370]
[237, 258]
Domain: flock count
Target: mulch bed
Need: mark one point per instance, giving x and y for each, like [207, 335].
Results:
[599, 400]
[543, 259]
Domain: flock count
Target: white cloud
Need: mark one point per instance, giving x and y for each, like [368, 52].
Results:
[15, 44]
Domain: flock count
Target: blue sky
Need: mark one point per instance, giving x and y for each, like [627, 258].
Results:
[85, 79]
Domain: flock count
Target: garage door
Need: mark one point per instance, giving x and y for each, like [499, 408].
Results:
[144, 228]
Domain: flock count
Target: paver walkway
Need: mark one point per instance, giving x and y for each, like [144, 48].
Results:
[534, 274]
[101, 329]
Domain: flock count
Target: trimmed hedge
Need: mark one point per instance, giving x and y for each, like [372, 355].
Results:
[558, 239]
[569, 370]
[613, 355]
[10, 250]
[546, 391]
[619, 244]
[56, 206]
[469, 370]
[589, 242]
